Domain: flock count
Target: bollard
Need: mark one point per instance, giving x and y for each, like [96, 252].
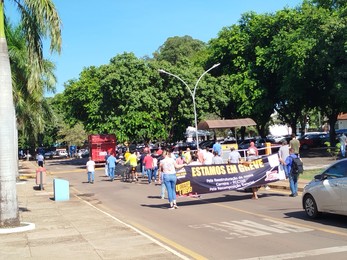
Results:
[41, 177]
[41, 181]
[268, 148]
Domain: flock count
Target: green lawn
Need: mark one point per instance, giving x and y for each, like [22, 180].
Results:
[309, 174]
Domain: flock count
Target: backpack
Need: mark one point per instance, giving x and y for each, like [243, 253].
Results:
[297, 166]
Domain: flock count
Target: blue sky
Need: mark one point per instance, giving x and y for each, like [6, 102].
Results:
[95, 31]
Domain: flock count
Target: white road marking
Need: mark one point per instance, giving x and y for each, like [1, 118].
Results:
[247, 228]
[308, 253]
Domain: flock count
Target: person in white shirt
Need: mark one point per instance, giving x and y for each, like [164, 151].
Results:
[283, 153]
[217, 159]
[234, 156]
[208, 156]
[90, 170]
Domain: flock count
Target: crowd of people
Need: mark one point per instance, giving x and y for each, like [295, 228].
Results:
[161, 166]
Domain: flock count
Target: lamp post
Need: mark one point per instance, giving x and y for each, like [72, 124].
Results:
[192, 93]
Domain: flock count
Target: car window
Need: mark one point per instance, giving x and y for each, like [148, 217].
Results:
[338, 170]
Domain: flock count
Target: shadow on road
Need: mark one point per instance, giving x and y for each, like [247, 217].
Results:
[325, 218]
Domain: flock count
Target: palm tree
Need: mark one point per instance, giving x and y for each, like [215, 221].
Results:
[39, 19]
[32, 109]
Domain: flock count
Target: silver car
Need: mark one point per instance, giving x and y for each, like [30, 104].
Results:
[327, 192]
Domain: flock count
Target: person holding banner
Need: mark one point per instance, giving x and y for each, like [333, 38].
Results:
[168, 168]
[252, 152]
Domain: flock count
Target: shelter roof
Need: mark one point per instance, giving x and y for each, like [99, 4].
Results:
[228, 123]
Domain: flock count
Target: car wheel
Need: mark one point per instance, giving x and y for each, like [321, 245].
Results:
[310, 207]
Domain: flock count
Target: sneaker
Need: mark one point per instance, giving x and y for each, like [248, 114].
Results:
[172, 207]
[175, 206]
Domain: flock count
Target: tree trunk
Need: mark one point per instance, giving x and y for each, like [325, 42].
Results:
[332, 121]
[9, 214]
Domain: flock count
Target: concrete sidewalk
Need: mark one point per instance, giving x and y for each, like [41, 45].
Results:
[73, 229]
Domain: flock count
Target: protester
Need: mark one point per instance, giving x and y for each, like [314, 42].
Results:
[168, 168]
[106, 166]
[217, 147]
[127, 154]
[295, 144]
[90, 166]
[142, 166]
[155, 166]
[148, 163]
[132, 160]
[252, 151]
[234, 156]
[283, 153]
[208, 156]
[160, 175]
[187, 155]
[200, 155]
[217, 159]
[181, 159]
[293, 179]
[195, 160]
[40, 160]
[111, 164]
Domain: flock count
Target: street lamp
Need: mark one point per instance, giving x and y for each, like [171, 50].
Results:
[192, 93]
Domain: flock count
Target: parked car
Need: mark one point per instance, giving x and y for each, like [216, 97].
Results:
[206, 143]
[49, 154]
[63, 154]
[258, 142]
[327, 192]
[311, 140]
[182, 146]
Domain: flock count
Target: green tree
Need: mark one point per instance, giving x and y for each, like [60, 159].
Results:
[39, 18]
[176, 49]
[122, 97]
[252, 88]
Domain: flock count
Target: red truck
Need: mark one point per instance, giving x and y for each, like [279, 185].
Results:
[99, 145]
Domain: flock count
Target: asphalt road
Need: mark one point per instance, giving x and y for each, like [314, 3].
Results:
[224, 225]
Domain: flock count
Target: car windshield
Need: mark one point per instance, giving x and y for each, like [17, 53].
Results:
[337, 170]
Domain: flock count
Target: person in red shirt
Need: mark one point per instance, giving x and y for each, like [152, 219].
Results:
[148, 163]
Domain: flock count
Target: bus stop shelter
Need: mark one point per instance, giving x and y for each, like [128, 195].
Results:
[227, 123]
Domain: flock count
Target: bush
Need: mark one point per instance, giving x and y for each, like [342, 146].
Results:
[333, 151]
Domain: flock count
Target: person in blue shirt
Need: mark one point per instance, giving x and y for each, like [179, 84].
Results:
[217, 147]
[111, 164]
[293, 178]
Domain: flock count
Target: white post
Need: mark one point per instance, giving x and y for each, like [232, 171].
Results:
[193, 97]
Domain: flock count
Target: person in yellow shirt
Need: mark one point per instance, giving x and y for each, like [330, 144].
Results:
[127, 154]
[132, 160]
[187, 156]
